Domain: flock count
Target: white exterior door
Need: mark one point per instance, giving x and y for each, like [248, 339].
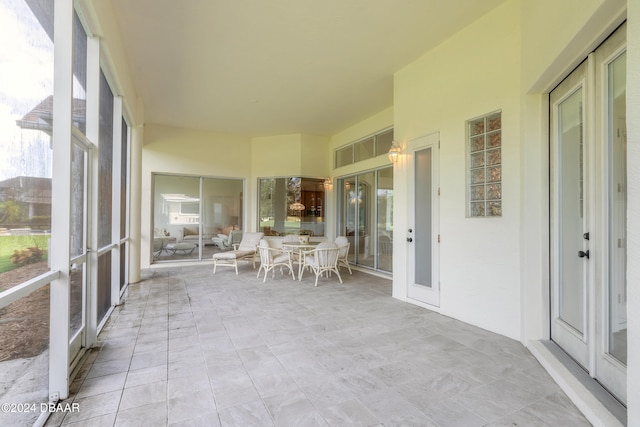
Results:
[422, 233]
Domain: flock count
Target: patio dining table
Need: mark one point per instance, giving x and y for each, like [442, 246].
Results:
[300, 247]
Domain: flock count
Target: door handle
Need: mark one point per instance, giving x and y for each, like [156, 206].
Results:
[409, 239]
[583, 254]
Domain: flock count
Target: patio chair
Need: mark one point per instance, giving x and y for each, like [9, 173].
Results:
[245, 251]
[343, 252]
[323, 259]
[292, 238]
[226, 242]
[270, 258]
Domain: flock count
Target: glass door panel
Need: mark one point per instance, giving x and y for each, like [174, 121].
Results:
[422, 212]
[569, 219]
[385, 219]
[571, 209]
[176, 217]
[611, 291]
[349, 209]
[618, 210]
[364, 202]
[221, 210]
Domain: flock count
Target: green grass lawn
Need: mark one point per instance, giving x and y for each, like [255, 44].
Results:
[8, 244]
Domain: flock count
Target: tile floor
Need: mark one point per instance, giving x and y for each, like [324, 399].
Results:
[188, 348]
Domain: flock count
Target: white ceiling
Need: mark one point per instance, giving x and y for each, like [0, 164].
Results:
[270, 67]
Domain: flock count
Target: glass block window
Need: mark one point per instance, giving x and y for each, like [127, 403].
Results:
[484, 166]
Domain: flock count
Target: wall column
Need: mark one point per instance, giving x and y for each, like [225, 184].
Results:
[135, 235]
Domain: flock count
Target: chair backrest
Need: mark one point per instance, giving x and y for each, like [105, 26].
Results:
[235, 236]
[326, 254]
[343, 246]
[250, 241]
[263, 248]
[290, 238]
[158, 244]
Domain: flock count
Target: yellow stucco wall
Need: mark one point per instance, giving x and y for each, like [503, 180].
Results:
[473, 73]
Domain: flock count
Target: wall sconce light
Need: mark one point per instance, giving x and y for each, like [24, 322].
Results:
[327, 183]
[394, 152]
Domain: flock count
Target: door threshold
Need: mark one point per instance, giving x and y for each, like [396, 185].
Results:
[594, 401]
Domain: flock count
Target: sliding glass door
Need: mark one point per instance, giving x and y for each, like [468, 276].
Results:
[189, 211]
[365, 217]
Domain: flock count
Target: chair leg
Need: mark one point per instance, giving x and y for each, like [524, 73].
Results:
[348, 267]
[235, 264]
[338, 273]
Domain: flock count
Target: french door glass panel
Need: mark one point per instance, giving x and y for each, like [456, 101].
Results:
[571, 208]
[569, 217]
[618, 209]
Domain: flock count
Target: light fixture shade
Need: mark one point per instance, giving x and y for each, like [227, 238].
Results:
[297, 206]
[394, 152]
[327, 183]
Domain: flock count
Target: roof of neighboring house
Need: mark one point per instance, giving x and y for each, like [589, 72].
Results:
[26, 182]
[41, 116]
[28, 189]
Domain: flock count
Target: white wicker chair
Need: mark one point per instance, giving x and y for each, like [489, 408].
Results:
[343, 252]
[322, 259]
[245, 251]
[270, 258]
[226, 243]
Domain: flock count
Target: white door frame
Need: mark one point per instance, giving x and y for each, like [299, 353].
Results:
[419, 294]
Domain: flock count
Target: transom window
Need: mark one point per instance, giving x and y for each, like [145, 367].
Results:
[366, 148]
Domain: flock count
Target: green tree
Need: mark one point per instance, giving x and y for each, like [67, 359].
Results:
[11, 212]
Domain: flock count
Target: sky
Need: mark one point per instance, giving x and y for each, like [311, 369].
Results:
[26, 78]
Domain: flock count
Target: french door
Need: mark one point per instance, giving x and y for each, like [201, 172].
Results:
[422, 232]
[588, 214]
